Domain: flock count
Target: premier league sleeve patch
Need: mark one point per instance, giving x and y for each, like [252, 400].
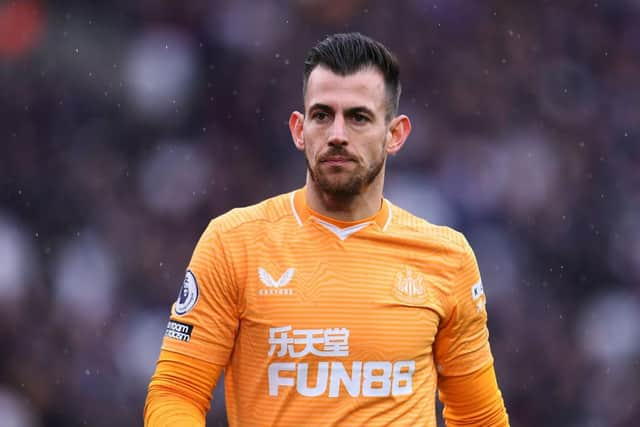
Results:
[188, 296]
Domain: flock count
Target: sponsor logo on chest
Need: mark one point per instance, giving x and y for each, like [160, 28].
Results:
[272, 286]
[377, 378]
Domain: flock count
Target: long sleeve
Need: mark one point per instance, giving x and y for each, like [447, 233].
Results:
[179, 394]
[467, 380]
[473, 400]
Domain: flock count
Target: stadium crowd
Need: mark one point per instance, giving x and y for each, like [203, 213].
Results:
[126, 126]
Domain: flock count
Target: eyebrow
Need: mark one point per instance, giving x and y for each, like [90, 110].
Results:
[349, 111]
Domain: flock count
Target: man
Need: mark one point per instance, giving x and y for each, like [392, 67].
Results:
[329, 306]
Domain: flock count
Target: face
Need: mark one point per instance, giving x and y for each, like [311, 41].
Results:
[343, 133]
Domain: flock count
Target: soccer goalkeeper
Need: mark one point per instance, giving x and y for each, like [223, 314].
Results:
[329, 305]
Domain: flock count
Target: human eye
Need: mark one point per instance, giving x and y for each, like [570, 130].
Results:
[320, 116]
[360, 118]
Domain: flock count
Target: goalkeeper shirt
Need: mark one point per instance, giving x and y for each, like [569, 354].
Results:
[319, 322]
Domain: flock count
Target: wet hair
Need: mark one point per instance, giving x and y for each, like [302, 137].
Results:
[348, 53]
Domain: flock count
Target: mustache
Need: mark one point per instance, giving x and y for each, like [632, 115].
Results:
[337, 152]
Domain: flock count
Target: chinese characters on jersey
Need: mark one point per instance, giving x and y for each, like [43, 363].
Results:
[361, 378]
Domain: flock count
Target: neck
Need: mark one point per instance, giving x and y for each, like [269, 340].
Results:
[346, 207]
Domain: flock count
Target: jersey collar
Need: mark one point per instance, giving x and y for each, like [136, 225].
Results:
[303, 213]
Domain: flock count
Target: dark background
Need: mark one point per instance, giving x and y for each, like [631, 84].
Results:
[126, 125]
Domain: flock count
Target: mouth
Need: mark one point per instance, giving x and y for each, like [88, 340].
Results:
[336, 160]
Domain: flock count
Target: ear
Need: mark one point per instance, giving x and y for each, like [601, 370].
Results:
[296, 123]
[399, 131]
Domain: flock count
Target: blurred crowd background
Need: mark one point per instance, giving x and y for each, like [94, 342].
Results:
[126, 125]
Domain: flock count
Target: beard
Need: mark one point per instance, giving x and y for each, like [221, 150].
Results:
[343, 183]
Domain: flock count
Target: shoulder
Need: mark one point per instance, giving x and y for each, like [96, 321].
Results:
[269, 211]
[449, 239]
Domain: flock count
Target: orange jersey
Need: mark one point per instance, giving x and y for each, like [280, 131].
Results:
[327, 323]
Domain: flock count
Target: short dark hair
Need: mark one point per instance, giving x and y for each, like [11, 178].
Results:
[348, 53]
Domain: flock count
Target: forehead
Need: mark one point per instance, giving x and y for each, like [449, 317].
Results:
[363, 88]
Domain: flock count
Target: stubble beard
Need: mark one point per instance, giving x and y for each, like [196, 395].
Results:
[350, 186]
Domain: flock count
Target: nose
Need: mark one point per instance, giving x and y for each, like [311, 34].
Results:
[338, 132]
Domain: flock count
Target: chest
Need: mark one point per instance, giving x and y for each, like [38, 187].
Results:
[358, 299]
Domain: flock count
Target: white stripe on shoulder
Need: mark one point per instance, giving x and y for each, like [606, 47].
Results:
[293, 208]
[386, 224]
